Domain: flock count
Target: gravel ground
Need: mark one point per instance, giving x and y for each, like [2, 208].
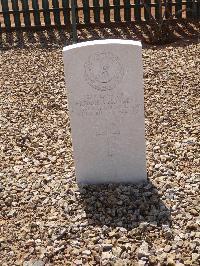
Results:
[46, 219]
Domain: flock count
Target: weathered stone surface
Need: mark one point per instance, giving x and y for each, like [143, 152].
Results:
[105, 91]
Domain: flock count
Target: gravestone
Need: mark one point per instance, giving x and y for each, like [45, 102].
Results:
[104, 82]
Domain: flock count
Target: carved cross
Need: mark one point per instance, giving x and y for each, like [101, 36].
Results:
[110, 136]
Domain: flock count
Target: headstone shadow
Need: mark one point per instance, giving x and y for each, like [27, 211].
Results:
[126, 206]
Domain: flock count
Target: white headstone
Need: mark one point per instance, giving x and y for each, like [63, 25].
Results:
[104, 81]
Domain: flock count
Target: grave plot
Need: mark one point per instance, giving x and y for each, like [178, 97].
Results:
[45, 217]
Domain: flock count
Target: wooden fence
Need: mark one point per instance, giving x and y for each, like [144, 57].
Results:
[37, 13]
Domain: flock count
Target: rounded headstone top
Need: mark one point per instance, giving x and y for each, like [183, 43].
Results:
[100, 42]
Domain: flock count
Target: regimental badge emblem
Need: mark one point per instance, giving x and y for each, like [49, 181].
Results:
[103, 71]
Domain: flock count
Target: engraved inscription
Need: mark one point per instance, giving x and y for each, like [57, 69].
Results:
[97, 105]
[110, 134]
[103, 71]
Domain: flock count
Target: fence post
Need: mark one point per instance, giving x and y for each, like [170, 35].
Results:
[86, 11]
[96, 11]
[158, 10]
[36, 12]
[106, 10]
[66, 12]
[46, 12]
[168, 9]
[117, 17]
[189, 8]
[178, 8]
[16, 14]
[198, 9]
[137, 10]
[74, 30]
[193, 7]
[76, 11]
[127, 10]
[56, 12]
[26, 13]
[6, 15]
[146, 12]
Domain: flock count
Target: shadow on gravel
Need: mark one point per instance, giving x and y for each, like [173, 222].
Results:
[127, 206]
[143, 31]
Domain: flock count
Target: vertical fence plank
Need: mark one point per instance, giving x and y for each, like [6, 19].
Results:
[15, 7]
[66, 12]
[117, 16]
[106, 10]
[198, 10]
[168, 11]
[148, 5]
[26, 13]
[96, 11]
[158, 10]
[195, 9]
[191, 9]
[46, 12]
[56, 12]
[74, 18]
[137, 10]
[6, 15]
[36, 12]
[178, 8]
[127, 10]
[86, 11]
[76, 11]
